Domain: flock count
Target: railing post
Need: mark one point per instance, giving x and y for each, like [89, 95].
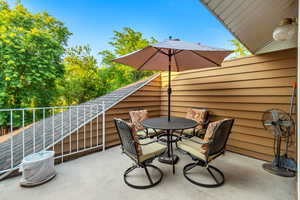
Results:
[91, 126]
[84, 136]
[97, 107]
[33, 116]
[11, 141]
[62, 135]
[23, 129]
[70, 129]
[103, 125]
[77, 124]
[53, 127]
[44, 134]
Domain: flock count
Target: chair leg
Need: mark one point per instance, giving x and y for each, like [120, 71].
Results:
[151, 182]
[210, 170]
[147, 173]
[188, 168]
[130, 169]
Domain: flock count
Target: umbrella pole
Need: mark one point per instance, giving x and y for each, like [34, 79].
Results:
[169, 87]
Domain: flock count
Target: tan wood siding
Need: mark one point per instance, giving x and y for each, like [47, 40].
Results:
[243, 89]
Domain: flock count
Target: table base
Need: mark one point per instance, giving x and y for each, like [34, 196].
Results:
[168, 159]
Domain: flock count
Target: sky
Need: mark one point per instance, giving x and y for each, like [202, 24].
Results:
[93, 21]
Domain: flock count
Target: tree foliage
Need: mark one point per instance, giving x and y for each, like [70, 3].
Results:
[82, 80]
[85, 80]
[31, 48]
[123, 42]
[239, 49]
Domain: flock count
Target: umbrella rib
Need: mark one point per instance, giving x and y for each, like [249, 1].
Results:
[148, 59]
[159, 49]
[177, 52]
[176, 62]
[206, 58]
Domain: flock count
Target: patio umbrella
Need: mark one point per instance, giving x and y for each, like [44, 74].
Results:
[174, 55]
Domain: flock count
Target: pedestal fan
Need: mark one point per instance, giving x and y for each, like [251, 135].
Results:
[281, 125]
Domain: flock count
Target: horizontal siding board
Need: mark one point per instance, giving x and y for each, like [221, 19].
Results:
[261, 83]
[278, 91]
[231, 99]
[250, 153]
[147, 93]
[143, 99]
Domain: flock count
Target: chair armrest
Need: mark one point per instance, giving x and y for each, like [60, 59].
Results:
[205, 124]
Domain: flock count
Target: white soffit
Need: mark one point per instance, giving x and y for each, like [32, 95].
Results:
[252, 21]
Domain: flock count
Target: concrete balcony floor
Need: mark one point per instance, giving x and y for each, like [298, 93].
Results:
[100, 176]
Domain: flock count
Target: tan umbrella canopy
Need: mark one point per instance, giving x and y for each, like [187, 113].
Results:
[174, 55]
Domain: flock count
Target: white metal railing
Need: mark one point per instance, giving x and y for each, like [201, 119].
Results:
[31, 130]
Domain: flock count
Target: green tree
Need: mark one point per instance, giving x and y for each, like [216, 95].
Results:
[31, 49]
[239, 49]
[124, 42]
[82, 80]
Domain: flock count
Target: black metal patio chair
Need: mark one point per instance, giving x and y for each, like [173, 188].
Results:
[142, 152]
[203, 151]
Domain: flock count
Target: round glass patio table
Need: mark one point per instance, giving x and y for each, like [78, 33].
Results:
[175, 123]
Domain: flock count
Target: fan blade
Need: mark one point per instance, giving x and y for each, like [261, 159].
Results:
[285, 123]
[275, 115]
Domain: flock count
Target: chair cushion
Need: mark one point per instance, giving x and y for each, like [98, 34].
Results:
[199, 115]
[151, 150]
[137, 117]
[209, 134]
[151, 132]
[135, 138]
[195, 149]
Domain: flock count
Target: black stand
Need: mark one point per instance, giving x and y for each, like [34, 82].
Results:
[277, 166]
[169, 86]
[273, 169]
[169, 157]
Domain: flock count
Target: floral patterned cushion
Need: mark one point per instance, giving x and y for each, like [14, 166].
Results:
[199, 115]
[209, 134]
[135, 138]
[137, 117]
